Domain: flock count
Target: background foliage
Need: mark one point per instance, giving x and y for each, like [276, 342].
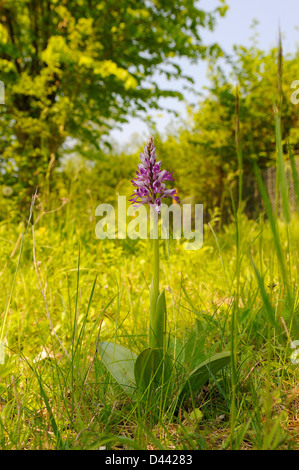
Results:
[74, 69]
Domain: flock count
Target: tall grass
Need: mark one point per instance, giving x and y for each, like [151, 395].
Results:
[239, 291]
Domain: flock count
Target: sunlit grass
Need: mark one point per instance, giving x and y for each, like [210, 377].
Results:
[100, 289]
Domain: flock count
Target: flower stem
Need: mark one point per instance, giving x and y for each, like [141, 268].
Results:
[156, 266]
[155, 340]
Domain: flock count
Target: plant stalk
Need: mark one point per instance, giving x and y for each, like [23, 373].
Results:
[157, 315]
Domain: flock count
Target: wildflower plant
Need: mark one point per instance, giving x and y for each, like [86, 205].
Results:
[150, 187]
[156, 366]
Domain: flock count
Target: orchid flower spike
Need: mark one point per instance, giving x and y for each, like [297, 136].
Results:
[150, 180]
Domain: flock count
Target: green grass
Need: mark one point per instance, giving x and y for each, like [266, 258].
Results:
[241, 287]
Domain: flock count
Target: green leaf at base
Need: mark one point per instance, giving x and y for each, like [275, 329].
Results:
[201, 374]
[152, 368]
[120, 363]
[157, 329]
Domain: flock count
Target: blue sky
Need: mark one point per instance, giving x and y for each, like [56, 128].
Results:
[234, 28]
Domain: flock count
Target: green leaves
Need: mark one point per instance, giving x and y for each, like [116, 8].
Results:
[120, 363]
[158, 323]
[147, 371]
[152, 369]
[201, 374]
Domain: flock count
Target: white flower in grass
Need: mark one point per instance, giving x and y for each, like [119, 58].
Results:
[7, 191]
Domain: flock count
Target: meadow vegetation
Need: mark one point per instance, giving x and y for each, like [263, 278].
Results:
[60, 395]
[63, 291]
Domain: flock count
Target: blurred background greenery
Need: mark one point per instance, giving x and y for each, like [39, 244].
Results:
[75, 70]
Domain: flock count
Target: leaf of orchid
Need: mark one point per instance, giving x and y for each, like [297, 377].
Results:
[152, 368]
[120, 363]
[202, 373]
[158, 323]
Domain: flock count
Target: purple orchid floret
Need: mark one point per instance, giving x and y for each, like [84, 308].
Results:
[149, 181]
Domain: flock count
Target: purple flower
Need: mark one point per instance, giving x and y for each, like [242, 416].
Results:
[149, 180]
